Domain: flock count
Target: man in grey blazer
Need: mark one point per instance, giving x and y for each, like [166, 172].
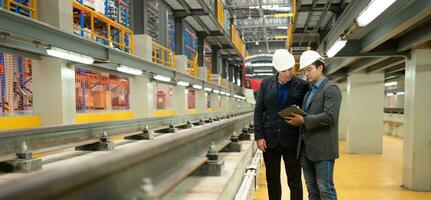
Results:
[318, 144]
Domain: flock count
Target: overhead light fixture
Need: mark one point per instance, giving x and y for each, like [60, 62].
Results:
[162, 78]
[129, 70]
[69, 55]
[280, 37]
[400, 93]
[336, 47]
[263, 74]
[262, 71]
[228, 94]
[282, 27]
[282, 15]
[389, 94]
[388, 84]
[222, 93]
[257, 43]
[372, 11]
[216, 91]
[183, 83]
[239, 97]
[208, 89]
[198, 87]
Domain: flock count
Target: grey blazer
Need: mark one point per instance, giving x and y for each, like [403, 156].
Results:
[320, 127]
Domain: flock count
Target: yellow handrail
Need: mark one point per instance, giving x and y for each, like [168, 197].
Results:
[193, 66]
[31, 7]
[236, 40]
[220, 13]
[110, 23]
[209, 73]
[163, 55]
[291, 24]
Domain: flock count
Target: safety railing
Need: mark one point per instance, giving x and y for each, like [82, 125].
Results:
[163, 55]
[237, 41]
[25, 7]
[192, 68]
[113, 34]
[208, 64]
[220, 13]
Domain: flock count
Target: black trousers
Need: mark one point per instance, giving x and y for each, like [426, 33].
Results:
[272, 159]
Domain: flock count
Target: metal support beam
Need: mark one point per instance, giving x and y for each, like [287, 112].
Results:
[179, 36]
[201, 48]
[194, 12]
[347, 17]
[214, 59]
[363, 64]
[231, 71]
[396, 69]
[388, 63]
[415, 38]
[224, 68]
[138, 19]
[414, 12]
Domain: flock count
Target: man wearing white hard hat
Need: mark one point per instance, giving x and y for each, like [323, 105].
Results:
[276, 138]
[318, 144]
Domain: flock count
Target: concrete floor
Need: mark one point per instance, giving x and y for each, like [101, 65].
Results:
[358, 177]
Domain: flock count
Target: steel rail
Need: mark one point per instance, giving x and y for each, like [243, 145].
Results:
[118, 175]
[39, 140]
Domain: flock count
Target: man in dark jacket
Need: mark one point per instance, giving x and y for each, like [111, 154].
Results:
[318, 145]
[276, 138]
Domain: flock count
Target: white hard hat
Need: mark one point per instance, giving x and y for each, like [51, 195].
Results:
[308, 58]
[283, 60]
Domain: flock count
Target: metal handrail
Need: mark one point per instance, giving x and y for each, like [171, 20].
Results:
[163, 55]
[32, 9]
[110, 24]
[192, 68]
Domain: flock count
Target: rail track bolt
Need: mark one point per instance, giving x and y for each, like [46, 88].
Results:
[210, 120]
[104, 136]
[146, 129]
[23, 152]
[171, 128]
[189, 124]
[245, 134]
[234, 137]
[147, 190]
[201, 121]
[212, 154]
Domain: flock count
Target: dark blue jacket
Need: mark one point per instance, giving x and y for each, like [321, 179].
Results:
[268, 124]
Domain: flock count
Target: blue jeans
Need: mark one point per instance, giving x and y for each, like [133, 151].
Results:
[318, 178]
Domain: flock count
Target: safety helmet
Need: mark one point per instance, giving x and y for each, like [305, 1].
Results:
[283, 60]
[308, 58]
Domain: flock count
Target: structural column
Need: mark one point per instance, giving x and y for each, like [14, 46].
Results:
[365, 102]
[215, 60]
[214, 102]
[180, 102]
[56, 13]
[179, 35]
[417, 126]
[141, 97]
[144, 46]
[138, 16]
[342, 120]
[201, 101]
[54, 91]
